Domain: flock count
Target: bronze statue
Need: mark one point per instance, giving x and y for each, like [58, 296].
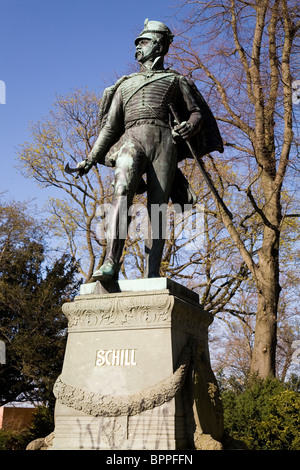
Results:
[138, 136]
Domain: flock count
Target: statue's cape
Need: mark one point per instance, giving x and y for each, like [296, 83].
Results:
[206, 140]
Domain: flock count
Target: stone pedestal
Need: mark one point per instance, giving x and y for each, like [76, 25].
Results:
[136, 373]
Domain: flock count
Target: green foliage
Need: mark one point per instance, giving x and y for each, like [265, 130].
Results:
[265, 415]
[32, 290]
[42, 425]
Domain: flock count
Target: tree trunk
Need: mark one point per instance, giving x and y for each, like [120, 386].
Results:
[268, 287]
[264, 351]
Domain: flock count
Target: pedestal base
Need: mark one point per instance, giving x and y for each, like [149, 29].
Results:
[136, 373]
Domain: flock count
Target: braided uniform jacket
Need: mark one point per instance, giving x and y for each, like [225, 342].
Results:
[139, 98]
[148, 97]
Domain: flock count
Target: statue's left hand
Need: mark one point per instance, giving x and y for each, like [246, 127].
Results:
[84, 167]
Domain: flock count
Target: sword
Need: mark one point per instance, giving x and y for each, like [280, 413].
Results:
[205, 174]
[70, 170]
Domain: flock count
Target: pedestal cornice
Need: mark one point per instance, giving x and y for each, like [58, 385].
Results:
[135, 310]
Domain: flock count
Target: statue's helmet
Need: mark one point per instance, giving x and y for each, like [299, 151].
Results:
[157, 32]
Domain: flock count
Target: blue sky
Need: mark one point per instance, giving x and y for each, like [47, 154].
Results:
[51, 47]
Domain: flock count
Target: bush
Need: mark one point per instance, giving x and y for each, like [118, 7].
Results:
[41, 426]
[12, 440]
[265, 416]
[282, 429]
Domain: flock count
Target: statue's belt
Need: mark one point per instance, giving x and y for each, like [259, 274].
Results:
[139, 122]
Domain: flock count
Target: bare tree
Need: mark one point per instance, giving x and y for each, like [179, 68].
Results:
[243, 52]
[67, 135]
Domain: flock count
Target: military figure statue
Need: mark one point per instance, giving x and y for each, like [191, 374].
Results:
[136, 135]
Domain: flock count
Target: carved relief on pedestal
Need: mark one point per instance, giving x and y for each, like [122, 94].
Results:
[117, 310]
[135, 311]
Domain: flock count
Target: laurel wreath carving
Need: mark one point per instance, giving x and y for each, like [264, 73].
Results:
[96, 404]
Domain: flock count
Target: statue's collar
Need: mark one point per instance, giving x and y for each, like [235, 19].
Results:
[156, 66]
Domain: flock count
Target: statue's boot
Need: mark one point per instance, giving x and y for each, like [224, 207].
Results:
[117, 233]
[153, 251]
[107, 272]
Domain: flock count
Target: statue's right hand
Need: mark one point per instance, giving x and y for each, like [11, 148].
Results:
[84, 167]
[184, 129]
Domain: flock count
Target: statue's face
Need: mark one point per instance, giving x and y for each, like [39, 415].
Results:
[145, 49]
